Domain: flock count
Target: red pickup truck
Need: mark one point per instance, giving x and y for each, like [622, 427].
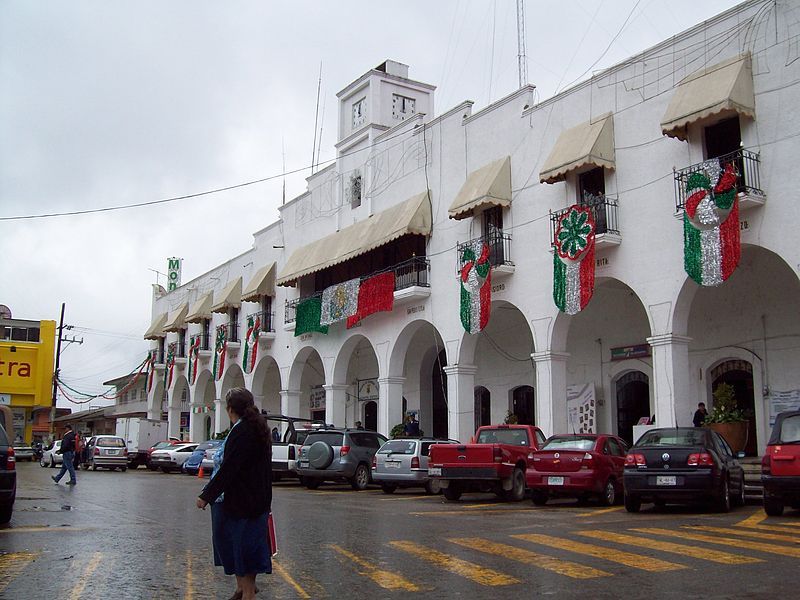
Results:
[495, 462]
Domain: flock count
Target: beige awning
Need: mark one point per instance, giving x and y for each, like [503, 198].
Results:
[262, 284]
[156, 329]
[722, 89]
[410, 217]
[590, 143]
[177, 318]
[488, 186]
[201, 309]
[229, 297]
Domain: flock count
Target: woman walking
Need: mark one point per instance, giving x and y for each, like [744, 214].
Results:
[240, 494]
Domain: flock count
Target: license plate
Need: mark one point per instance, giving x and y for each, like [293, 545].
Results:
[435, 471]
[555, 481]
[392, 465]
[666, 480]
[303, 463]
[113, 452]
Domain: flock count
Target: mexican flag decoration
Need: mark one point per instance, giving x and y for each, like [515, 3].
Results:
[711, 244]
[251, 343]
[194, 353]
[375, 294]
[172, 350]
[150, 368]
[339, 301]
[220, 347]
[476, 287]
[307, 316]
[573, 259]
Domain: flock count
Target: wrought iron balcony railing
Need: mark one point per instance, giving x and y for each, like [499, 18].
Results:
[499, 243]
[204, 341]
[266, 320]
[604, 210]
[233, 331]
[748, 175]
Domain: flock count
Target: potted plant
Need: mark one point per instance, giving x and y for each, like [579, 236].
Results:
[727, 419]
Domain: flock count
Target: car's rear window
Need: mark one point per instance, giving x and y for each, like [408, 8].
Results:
[207, 445]
[512, 437]
[331, 438]
[111, 442]
[570, 443]
[790, 430]
[673, 437]
[398, 447]
[3, 437]
[300, 436]
[161, 445]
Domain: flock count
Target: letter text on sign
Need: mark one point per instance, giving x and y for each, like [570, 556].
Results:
[174, 273]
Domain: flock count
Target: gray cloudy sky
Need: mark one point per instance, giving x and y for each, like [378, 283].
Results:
[120, 102]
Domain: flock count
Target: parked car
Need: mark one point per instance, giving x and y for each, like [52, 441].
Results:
[286, 450]
[578, 466]
[338, 454]
[50, 456]
[682, 464]
[195, 460]
[780, 467]
[23, 452]
[8, 477]
[172, 457]
[404, 463]
[160, 446]
[106, 451]
[495, 462]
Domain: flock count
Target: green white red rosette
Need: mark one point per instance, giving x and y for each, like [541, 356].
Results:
[573, 259]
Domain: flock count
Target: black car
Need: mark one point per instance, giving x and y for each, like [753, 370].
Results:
[8, 477]
[682, 464]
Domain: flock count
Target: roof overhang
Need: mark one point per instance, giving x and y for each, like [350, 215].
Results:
[156, 329]
[722, 89]
[177, 318]
[262, 284]
[201, 309]
[588, 144]
[229, 297]
[488, 186]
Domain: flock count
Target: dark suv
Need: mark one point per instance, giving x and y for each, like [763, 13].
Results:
[338, 455]
[8, 477]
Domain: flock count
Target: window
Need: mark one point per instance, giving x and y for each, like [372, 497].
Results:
[402, 107]
[355, 189]
[182, 343]
[399, 447]
[233, 324]
[512, 437]
[617, 449]
[204, 342]
[570, 443]
[723, 138]
[110, 443]
[592, 193]
[359, 113]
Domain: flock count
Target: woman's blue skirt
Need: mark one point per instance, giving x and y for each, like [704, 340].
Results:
[241, 545]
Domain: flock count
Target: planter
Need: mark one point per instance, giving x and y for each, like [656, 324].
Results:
[734, 433]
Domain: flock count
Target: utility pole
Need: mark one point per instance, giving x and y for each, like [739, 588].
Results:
[55, 372]
[522, 58]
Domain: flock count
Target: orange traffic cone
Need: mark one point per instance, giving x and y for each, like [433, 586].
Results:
[200, 472]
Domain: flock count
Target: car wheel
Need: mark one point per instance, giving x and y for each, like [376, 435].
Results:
[539, 497]
[312, 484]
[5, 513]
[609, 497]
[433, 487]
[388, 489]
[360, 479]
[52, 462]
[452, 492]
[517, 491]
[633, 504]
[773, 506]
[738, 499]
[42, 462]
[724, 498]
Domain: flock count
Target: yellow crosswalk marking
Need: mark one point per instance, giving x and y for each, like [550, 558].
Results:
[753, 519]
[386, 579]
[542, 561]
[409, 498]
[636, 561]
[484, 504]
[682, 549]
[280, 570]
[189, 595]
[755, 534]
[472, 571]
[473, 511]
[47, 529]
[600, 511]
[724, 541]
[11, 565]
[776, 528]
[86, 576]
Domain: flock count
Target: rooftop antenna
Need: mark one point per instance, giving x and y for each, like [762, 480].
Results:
[283, 153]
[522, 58]
[321, 125]
[316, 119]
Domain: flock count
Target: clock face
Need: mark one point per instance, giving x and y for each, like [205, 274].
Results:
[359, 113]
[402, 106]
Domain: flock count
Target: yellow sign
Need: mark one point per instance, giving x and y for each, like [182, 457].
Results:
[18, 369]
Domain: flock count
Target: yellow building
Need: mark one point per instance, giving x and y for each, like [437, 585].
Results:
[26, 369]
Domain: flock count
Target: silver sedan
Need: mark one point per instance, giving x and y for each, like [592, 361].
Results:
[404, 463]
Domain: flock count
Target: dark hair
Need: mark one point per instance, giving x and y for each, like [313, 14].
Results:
[68, 426]
[240, 401]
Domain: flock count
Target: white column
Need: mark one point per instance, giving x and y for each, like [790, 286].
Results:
[197, 430]
[390, 403]
[221, 420]
[673, 404]
[174, 421]
[461, 401]
[335, 404]
[290, 406]
[551, 391]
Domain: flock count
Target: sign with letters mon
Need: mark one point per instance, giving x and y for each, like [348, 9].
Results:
[174, 266]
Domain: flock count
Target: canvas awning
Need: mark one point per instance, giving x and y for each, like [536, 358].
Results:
[229, 297]
[262, 284]
[201, 309]
[156, 329]
[590, 143]
[177, 318]
[488, 186]
[724, 88]
[410, 217]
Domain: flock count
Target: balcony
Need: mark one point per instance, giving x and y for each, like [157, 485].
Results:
[266, 320]
[499, 243]
[204, 342]
[411, 282]
[748, 179]
[606, 226]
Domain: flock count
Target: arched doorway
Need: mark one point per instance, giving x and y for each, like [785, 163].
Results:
[207, 420]
[739, 374]
[371, 416]
[633, 402]
[483, 407]
[523, 405]
[439, 396]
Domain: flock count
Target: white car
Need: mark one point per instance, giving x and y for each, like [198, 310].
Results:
[172, 458]
[50, 458]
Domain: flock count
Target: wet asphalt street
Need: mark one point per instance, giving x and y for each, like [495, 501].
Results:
[138, 535]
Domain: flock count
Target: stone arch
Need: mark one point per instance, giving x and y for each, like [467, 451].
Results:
[204, 394]
[266, 384]
[176, 405]
[154, 401]
[469, 342]
[618, 374]
[298, 364]
[346, 351]
[397, 355]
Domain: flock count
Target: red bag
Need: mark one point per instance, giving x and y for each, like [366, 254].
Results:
[273, 541]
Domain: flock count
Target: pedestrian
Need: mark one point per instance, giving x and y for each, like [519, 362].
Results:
[359, 425]
[240, 494]
[276, 436]
[67, 452]
[700, 415]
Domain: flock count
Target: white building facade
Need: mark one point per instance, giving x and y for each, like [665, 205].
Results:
[410, 191]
